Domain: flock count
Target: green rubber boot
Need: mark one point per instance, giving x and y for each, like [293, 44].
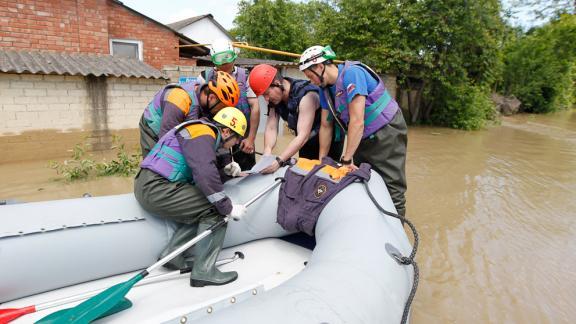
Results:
[204, 271]
[182, 235]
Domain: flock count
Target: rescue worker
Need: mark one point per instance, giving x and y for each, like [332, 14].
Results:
[297, 102]
[356, 100]
[176, 103]
[223, 56]
[181, 180]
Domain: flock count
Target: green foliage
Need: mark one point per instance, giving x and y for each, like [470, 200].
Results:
[81, 166]
[449, 44]
[539, 68]
[464, 106]
[76, 168]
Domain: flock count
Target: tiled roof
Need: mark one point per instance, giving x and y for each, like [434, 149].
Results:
[39, 62]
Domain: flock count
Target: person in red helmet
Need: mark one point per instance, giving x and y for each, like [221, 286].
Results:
[296, 102]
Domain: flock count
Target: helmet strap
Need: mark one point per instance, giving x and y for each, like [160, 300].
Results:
[320, 76]
[210, 108]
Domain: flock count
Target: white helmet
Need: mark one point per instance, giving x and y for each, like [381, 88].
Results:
[315, 55]
[222, 52]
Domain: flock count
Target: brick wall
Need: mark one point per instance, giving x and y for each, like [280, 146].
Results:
[84, 26]
[158, 43]
[53, 25]
[51, 113]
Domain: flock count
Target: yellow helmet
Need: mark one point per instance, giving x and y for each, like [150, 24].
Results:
[232, 118]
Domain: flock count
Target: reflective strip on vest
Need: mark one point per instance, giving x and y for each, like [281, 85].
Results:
[216, 197]
[166, 157]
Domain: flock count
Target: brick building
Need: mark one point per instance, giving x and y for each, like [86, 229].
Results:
[73, 69]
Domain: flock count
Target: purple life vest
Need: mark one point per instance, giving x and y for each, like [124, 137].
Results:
[166, 157]
[380, 106]
[304, 194]
[154, 110]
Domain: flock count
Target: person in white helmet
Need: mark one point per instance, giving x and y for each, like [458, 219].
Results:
[355, 98]
[223, 55]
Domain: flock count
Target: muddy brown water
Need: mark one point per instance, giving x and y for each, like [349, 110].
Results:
[495, 209]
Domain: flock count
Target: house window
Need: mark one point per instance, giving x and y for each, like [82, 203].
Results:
[126, 48]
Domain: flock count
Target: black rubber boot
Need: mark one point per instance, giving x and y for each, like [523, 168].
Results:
[181, 236]
[204, 271]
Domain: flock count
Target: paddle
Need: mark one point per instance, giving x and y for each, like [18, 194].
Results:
[9, 314]
[101, 304]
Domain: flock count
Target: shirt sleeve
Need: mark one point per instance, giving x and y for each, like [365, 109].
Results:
[355, 83]
[323, 102]
[198, 149]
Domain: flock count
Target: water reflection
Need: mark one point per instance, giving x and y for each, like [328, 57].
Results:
[495, 210]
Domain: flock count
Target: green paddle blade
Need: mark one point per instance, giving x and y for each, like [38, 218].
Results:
[94, 307]
[125, 303]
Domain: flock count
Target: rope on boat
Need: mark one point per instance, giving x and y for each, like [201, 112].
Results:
[400, 258]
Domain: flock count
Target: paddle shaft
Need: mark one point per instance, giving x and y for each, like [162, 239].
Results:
[207, 232]
[148, 280]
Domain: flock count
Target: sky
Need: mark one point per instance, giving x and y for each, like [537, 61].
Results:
[224, 11]
[169, 11]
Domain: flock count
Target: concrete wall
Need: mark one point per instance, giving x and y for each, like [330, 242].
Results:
[41, 112]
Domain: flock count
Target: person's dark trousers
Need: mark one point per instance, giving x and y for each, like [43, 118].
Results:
[385, 150]
[245, 160]
[311, 149]
[180, 202]
[147, 137]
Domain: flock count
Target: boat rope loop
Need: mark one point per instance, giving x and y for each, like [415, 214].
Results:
[399, 257]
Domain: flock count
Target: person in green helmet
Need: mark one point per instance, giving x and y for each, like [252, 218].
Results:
[223, 56]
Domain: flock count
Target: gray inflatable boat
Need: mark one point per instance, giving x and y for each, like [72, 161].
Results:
[55, 249]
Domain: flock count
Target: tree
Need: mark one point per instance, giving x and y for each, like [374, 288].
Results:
[540, 68]
[452, 46]
[277, 24]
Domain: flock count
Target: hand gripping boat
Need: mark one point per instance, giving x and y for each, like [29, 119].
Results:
[55, 249]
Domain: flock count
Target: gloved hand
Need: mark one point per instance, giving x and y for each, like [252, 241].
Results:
[232, 169]
[238, 211]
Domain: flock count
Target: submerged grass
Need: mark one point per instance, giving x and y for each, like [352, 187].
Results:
[82, 166]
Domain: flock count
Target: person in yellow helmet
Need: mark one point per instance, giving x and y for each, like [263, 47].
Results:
[181, 179]
[224, 55]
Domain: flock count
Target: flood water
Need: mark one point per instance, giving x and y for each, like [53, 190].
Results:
[495, 210]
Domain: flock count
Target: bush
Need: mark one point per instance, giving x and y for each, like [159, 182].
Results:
[464, 106]
[83, 167]
[539, 68]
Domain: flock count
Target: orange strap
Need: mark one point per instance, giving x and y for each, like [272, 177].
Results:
[334, 173]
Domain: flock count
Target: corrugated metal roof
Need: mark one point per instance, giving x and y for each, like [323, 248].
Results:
[40, 62]
[250, 62]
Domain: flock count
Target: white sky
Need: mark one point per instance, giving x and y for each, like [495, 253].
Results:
[224, 11]
[169, 11]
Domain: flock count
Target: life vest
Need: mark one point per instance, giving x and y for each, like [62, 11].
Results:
[154, 110]
[380, 106]
[166, 157]
[308, 187]
[241, 77]
[289, 112]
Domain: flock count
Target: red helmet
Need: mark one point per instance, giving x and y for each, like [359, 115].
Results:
[261, 78]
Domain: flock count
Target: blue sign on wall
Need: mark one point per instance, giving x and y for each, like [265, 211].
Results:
[184, 79]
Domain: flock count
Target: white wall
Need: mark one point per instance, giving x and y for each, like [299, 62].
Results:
[204, 31]
[38, 102]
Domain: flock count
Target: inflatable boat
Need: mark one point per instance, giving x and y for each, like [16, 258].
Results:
[52, 250]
